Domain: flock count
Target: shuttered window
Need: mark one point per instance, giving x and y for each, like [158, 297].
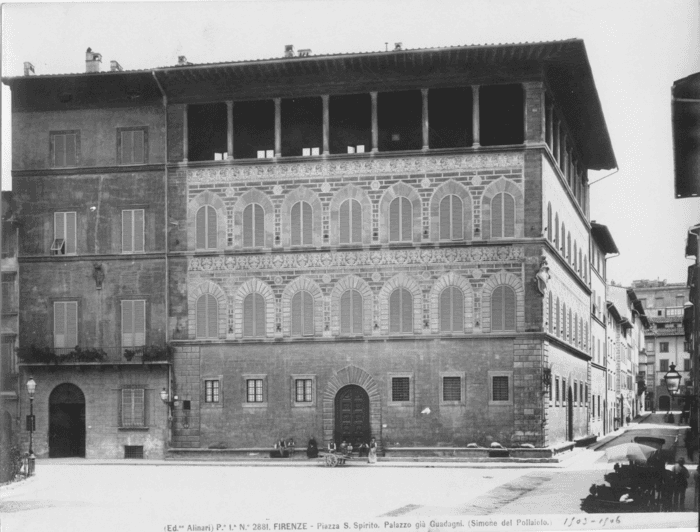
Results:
[503, 216]
[563, 321]
[351, 312]
[451, 218]
[558, 331]
[206, 227]
[350, 222]
[400, 220]
[568, 248]
[562, 243]
[302, 225]
[549, 222]
[503, 309]
[451, 310]
[551, 313]
[133, 323]
[254, 316]
[451, 388]
[573, 258]
[302, 314]
[64, 233]
[132, 147]
[207, 317]
[253, 226]
[570, 326]
[133, 407]
[401, 311]
[64, 149]
[132, 231]
[65, 324]
[556, 231]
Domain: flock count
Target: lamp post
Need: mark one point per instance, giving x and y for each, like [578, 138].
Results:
[172, 403]
[31, 425]
[673, 381]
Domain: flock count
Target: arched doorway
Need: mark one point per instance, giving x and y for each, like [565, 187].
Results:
[664, 403]
[66, 422]
[570, 416]
[352, 415]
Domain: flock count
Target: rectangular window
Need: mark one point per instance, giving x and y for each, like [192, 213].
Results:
[575, 393]
[64, 233]
[663, 364]
[254, 393]
[401, 389]
[211, 391]
[133, 407]
[686, 364]
[500, 389]
[9, 296]
[451, 389]
[7, 363]
[663, 347]
[132, 231]
[563, 391]
[64, 148]
[303, 390]
[132, 145]
[133, 323]
[556, 389]
[65, 324]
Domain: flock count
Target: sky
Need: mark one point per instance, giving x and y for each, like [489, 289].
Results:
[637, 49]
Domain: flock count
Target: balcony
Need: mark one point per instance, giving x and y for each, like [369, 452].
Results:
[81, 355]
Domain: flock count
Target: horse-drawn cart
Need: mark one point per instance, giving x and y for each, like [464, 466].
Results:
[334, 459]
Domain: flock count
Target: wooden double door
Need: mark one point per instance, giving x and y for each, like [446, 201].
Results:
[352, 415]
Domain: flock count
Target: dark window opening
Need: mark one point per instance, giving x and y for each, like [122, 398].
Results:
[400, 116]
[450, 117]
[501, 115]
[302, 126]
[133, 451]
[350, 123]
[207, 131]
[400, 389]
[254, 129]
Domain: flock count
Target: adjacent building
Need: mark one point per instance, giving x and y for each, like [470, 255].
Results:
[330, 252]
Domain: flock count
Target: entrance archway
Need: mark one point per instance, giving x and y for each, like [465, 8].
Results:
[352, 415]
[664, 403]
[570, 416]
[66, 422]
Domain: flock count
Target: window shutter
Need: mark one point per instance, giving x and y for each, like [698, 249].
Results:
[201, 224]
[296, 224]
[71, 323]
[308, 301]
[59, 225]
[59, 150]
[457, 219]
[346, 312]
[570, 326]
[549, 222]
[457, 310]
[445, 218]
[138, 230]
[550, 313]
[406, 220]
[139, 323]
[248, 226]
[562, 246]
[345, 222]
[249, 315]
[497, 216]
[446, 310]
[127, 324]
[127, 231]
[127, 147]
[563, 321]
[59, 324]
[296, 314]
[356, 312]
[406, 311]
[260, 309]
[212, 317]
[71, 151]
[259, 220]
[211, 228]
[70, 232]
[558, 331]
[497, 309]
[395, 220]
[556, 231]
[307, 220]
[508, 215]
[202, 317]
[395, 311]
[139, 148]
[356, 221]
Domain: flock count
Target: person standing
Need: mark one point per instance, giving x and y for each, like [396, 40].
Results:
[680, 484]
[312, 449]
[372, 455]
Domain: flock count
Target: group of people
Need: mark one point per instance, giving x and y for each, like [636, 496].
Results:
[346, 448]
[283, 449]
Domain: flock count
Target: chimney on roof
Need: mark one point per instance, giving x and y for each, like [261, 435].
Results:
[114, 66]
[28, 69]
[182, 61]
[305, 52]
[288, 50]
[398, 46]
[92, 61]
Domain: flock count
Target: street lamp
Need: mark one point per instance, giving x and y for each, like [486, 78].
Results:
[31, 425]
[673, 380]
[165, 397]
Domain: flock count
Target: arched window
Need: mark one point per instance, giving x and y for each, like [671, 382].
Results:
[206, 228]
[207, 317]
[451, 310]
[254, 316]
[562, 246]
[573, 259]
[351, 312]
[551, 313]
[451, 218]
[563, 321]
[558, 331]
[580, 264]
[570, 326]
[253, 226]
[502, 216]
[503, 309]
[584, 266]
[575, 337]
[400, 311]
[301, 224]
[568, 248]
[549, 221]
[400, 220]
[556, 231]
[302, 314]
[350, 222]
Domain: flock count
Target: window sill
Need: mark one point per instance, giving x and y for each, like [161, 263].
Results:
[500, 403]
[310, 404]
[255, 405]
[133, 429]
[405, 404]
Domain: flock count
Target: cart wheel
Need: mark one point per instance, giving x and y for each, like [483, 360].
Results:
[331, 460]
